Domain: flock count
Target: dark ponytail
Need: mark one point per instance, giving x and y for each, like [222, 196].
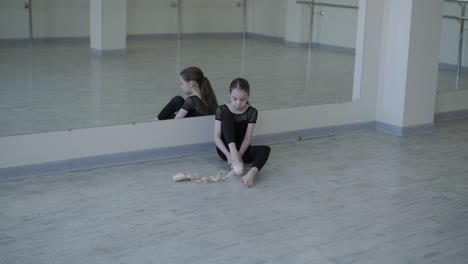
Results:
[208, 96]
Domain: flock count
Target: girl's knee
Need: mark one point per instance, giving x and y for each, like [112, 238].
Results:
[266, 149]
[178, 99]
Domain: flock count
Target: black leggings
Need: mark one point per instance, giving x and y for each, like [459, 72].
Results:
[170, 110]
[258, 155]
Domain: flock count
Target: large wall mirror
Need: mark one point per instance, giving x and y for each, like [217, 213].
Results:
[51, 81]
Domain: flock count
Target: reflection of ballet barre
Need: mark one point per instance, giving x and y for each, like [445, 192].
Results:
[456, 17]
[239, 3]
[461, 19]
[457, 1]
[28, 5]
[327, 4]
[313, 4]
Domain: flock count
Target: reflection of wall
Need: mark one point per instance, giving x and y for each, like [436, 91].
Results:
[297, 23]
[266, 17]
[209, 16]
[150, 17]
[70, 18]
[452, 101]
[52, 18]
[198, 16]
[337, 27]
[13, 20]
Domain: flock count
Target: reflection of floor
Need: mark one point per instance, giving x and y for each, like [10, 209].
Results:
[57, 86]
[448, 81]
[356, 198]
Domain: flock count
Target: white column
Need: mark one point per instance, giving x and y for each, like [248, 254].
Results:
[297, 23]
[411, 33]
[108, 32]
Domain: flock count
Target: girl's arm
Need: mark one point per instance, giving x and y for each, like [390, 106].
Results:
[181, 114]
[219, 142]
[247, 139]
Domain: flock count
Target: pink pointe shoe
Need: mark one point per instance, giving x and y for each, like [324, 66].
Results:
[183, 177]
[238, 168]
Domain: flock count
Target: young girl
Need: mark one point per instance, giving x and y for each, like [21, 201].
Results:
[201, 98]
[233, 131]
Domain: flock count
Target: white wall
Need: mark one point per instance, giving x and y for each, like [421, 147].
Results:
[394, 63]
[409, 65]
[421, 84]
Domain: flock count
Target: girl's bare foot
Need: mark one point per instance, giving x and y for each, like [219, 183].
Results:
[248, 179]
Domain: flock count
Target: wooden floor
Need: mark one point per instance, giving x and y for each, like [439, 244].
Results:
[356, 198]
